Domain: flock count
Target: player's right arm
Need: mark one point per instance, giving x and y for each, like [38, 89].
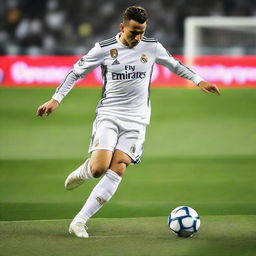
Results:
[84, 66]
[47, 108]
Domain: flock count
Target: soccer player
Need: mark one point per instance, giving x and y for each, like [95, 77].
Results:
[123, 113]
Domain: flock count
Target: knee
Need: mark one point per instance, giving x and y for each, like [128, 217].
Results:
[97, 170]
[119, 167]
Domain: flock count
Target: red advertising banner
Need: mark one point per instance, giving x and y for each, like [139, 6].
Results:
[225, 71]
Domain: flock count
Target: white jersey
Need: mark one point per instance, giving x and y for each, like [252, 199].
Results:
[126, 74]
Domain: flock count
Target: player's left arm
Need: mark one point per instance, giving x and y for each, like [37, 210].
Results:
[163, 57]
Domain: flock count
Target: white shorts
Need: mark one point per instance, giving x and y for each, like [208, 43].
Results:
[111, 133]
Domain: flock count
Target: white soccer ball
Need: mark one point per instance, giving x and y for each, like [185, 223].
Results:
[184, 221]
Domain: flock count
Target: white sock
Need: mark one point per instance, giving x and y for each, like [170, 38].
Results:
[101, 194]
[84, 170]
[87, 170]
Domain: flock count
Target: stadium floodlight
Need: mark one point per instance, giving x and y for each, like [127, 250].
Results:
[219, 36]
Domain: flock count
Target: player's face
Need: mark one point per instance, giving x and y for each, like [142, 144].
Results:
[132, 32]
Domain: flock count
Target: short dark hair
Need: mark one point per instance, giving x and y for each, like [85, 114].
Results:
[136, 13]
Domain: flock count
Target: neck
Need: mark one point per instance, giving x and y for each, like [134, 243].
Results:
[122, 40]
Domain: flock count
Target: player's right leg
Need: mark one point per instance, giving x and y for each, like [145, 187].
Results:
[93, 167]
[78, 176]
[103, 141]
[102, 145]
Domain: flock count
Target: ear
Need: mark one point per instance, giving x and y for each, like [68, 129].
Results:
[121, 27]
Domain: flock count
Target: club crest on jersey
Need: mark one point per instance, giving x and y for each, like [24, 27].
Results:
[114, 53]
[144, 58]
[81, 62]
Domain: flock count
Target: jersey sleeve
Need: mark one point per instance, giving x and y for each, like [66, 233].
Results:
[65, 87]
[85, 65]
[163, 57]
[90, 61]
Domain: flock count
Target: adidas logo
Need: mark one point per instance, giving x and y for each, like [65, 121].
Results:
[116, 62]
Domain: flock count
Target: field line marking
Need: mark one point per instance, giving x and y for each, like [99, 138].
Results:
[95, 219]
[23, 221]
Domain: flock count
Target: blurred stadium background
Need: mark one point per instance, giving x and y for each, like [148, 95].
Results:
[72, 27]
[199, 151]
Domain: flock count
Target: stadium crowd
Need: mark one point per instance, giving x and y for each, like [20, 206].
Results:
[66, 27]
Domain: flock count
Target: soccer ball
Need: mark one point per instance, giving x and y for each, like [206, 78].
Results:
[184, 221]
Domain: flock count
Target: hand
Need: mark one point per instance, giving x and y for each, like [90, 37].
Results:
[47, 108]
[208, 87]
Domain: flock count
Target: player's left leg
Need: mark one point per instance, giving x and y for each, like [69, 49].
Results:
[120, 162]
[101, 193]
[128, 149]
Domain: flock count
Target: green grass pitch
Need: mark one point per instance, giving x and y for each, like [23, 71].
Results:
[200, 151]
